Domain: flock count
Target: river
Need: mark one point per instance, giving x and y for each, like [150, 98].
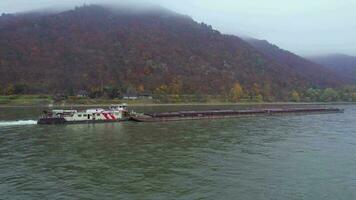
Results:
[306, 157]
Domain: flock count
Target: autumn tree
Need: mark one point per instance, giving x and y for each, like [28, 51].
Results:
[267, 92]
[176, 86]
[295, 97]
[354, 97]
[236, 92]
[161, 93]
[256, 89]
[256, 93]
[141, 88]
[9, 90]
[161, 90]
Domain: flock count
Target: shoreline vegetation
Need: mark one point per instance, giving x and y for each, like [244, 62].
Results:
[19, 95]
[48, 101]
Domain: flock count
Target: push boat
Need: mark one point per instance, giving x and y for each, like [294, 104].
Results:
[114, 113]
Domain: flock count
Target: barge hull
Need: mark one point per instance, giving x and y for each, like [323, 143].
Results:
[201, 115]
[58, 121]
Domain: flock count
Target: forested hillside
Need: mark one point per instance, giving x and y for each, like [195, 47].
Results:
[308, 69]
[343, 65]
[96, 49]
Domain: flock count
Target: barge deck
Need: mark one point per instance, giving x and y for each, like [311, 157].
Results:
[221, 114]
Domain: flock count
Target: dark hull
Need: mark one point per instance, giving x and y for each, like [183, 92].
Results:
[196, 115]
[54, 121]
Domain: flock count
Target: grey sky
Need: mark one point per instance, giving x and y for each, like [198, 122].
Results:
[305, 27]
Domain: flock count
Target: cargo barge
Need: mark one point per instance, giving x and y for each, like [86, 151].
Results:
[221, 114]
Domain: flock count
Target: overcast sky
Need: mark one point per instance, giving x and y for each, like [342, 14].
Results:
[306, 27]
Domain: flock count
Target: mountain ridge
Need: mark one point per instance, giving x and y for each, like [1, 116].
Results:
[92, 47]
[293, 61]
[342, 64]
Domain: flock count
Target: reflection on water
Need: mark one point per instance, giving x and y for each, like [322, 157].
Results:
[289, 157]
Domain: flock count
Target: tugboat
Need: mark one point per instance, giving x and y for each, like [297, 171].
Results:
[115, 113]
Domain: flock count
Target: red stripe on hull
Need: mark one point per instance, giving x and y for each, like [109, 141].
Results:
[112, 116]
[106, 116]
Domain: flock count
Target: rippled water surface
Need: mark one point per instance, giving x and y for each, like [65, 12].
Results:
[287, 157]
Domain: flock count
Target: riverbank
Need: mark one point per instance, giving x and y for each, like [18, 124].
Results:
[47, 101]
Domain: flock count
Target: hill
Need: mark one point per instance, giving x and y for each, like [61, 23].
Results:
[141, 50]
[309, 70]
[343, 65]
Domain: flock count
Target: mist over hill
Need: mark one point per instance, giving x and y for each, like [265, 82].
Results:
[309, 70]
[146, 50]
[343, 65]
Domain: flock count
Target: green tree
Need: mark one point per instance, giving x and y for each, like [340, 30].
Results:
[344, 95]
[112, 92]
[313, 94]
[70, 91]
[236, 92]
[95, 92]
[328, 95]
[259, 98]
[19, 88]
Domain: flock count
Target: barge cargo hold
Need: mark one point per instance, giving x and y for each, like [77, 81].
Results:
[221, 114]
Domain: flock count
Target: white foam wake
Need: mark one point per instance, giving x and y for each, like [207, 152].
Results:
[17, 123]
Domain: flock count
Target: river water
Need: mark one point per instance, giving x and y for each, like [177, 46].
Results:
[280, 157]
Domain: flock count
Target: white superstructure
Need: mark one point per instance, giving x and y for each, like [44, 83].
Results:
[114, 113]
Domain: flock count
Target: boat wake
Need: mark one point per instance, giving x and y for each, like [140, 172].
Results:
[17, 123]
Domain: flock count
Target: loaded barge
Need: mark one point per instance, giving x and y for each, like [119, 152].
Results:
[118, 113]
[221, 114]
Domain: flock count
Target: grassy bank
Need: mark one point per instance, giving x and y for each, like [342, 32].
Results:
[46, 100]
[26, 100]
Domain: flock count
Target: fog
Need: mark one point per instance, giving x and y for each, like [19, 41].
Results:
[301, 26]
